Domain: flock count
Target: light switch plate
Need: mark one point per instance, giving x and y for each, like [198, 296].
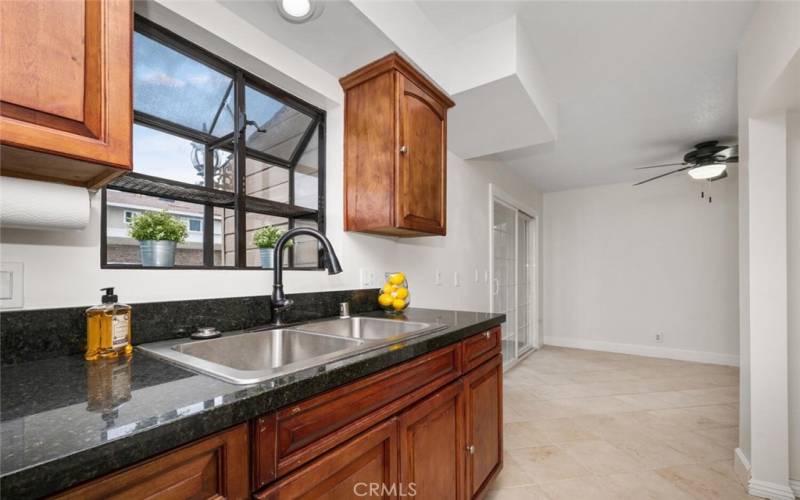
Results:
[11, 279]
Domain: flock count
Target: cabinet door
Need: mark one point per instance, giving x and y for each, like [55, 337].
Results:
[422, 168]
[432, 446]
[66, 88]
[483, 395]
[213, 468]
[364, 466]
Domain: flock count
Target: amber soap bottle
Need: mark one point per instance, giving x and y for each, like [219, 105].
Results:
[108, 328]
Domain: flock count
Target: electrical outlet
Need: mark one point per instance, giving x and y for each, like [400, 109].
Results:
[365, 277]
[659, 337]
[437, 277]
[11, 278]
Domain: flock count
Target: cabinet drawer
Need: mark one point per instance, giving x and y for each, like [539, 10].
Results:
[214, 468]
[345, 472]
[481, 347]
[309, 428]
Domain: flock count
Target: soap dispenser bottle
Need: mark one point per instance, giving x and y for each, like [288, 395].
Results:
[108, 328]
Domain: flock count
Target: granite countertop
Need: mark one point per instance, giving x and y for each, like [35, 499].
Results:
[64, 421]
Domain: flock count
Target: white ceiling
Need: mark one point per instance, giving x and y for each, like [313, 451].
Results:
[635, 83]
[338, 41]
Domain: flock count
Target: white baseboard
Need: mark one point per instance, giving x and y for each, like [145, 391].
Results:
[773, 491]
[741, 466]
[794, 484]
[644, 350]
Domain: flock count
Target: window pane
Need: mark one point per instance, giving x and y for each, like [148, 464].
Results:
[224, 237]
[266, 181]
[306, 176]
[223, 170]
[172, 86]
[306, 248]
[122, 208]
[169, 156]
[283, 126]
[255, 222]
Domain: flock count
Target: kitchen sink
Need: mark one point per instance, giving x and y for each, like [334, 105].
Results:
[264, 350]
[254, 356]
[367, 328]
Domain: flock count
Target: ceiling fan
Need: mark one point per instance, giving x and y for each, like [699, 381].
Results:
[707, 161]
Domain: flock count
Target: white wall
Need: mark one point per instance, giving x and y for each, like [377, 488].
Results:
[624, 263]
[62, 268]
[770, 42]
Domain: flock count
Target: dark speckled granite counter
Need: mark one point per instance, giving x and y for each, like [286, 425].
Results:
[64, 421]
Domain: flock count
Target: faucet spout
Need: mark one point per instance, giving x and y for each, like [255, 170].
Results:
[279, 301]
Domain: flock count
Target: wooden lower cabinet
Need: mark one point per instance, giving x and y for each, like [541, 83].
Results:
[427, 429]
[215, 467]
[483, 397]
[432, 446]
[365, 466]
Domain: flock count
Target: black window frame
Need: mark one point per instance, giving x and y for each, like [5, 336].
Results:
[209, 197]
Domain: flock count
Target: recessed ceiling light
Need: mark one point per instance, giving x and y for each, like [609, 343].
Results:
[707, 171]
[299, 11]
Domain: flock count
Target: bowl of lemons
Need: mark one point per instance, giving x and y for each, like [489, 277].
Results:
[394, 297]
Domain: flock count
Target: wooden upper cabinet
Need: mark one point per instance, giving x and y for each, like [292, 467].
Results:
[395, 146]
[65, 90]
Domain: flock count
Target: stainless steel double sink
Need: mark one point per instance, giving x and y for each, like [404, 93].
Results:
[253, 356]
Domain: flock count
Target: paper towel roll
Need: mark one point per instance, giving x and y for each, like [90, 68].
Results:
[42, 205]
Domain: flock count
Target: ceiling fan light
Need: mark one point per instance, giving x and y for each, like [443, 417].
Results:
[707, 171]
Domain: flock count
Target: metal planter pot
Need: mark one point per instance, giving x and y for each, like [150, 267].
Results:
[158, 253]
[267, 257]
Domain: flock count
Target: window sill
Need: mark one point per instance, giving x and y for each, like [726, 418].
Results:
[205, 268]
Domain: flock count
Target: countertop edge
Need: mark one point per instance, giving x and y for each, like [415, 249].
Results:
[65, 472]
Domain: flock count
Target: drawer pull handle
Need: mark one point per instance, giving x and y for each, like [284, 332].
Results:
[487, 334]
[471, 449]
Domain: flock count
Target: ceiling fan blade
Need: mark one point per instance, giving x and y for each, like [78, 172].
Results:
[664, 175]
[659, 166]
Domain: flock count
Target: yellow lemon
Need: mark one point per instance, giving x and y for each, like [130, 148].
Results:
[401, 293]
[397, 278]
[385, 300]
[388, 288]
[399, 304]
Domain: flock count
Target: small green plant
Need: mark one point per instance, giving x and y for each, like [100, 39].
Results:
[159, 226]
[267, 237]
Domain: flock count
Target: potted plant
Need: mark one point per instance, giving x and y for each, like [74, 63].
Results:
[159, 234]
[265, 239]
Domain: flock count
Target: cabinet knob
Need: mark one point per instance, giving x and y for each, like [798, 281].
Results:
[403, 150]
[487, 334]
[471, 449]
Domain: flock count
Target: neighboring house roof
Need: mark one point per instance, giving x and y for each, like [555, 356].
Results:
[151, 203]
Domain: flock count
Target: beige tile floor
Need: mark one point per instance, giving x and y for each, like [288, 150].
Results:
[593, 425]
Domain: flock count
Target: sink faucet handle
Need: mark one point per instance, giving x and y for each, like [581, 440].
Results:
[344, 310]
[283, 304]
